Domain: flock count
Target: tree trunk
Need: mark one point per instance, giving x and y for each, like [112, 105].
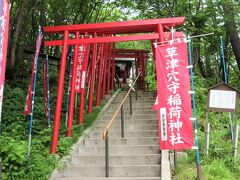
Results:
[42, 20]
[13, 41]
[231, 27]
[209, 71]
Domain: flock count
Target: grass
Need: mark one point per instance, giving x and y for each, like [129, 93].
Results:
[14, 137]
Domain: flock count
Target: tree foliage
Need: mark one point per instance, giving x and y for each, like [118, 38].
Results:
[28, 15]
[202, 17]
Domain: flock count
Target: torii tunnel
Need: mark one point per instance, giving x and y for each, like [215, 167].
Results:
[101, 37]
[124, 59]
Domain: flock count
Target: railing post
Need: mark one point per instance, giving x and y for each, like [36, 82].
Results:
[130, 100]
[122, 121]
[175, 158]
[136, 91]
[107, 156]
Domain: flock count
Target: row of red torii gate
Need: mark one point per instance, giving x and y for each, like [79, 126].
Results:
[97, 41]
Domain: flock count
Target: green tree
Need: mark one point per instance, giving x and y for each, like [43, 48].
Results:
[27, 15]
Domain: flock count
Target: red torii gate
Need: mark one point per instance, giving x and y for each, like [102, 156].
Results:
[102, 33]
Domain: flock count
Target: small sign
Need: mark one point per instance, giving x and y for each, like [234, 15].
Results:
[163, 115]
[222, 98]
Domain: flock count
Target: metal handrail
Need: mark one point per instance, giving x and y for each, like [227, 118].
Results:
[118, 109]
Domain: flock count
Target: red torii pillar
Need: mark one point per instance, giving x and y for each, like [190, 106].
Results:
[145, 71]
[104, 71]
[60, 93]
[100, 75]
[91, 90]
[72, 89]
[109, 67]
[113, 65]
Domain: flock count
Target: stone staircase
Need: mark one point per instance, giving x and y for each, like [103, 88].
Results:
[134, 157]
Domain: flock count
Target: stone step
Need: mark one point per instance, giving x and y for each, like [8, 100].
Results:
[130, 127]
[117, 134]
[143, 106]
[135, 111]
[140, 98]
[126, 103]
[139, 94]
[134, 106]
[134, 99]
[134, 157]
[110, 178]
[140, 108]
[122, 141]
[114, 171]
[132, 117]
[118, 150]
[128, 121]
[128, 159]
[142, 101]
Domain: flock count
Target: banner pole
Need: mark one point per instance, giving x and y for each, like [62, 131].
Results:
[48, 94]
[199, 171]
[39, 39]
[223, 60]
[235, 140]
[207, 133]
[226, 81]
[69, 85]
